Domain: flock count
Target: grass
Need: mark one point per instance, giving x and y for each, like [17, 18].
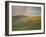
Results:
[36, 23]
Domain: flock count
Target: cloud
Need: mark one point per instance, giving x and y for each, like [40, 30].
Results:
[24, 10]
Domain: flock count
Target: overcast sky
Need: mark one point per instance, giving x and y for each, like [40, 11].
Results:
[25, 10]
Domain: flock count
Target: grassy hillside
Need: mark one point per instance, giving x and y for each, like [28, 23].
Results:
[26, 23]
